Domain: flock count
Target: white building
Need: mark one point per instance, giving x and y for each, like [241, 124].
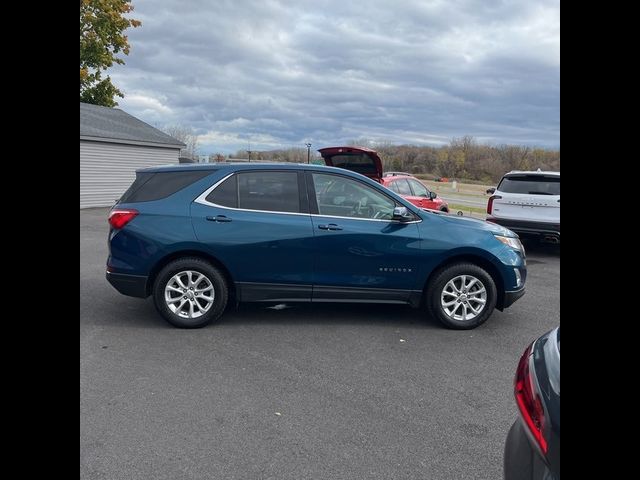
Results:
[113, 144]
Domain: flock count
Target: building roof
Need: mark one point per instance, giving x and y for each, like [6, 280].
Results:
[114, 125]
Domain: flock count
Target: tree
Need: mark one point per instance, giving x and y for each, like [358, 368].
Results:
[187, 136]
[102, 24]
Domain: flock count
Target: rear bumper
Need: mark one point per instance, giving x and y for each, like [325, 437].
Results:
[511, 297]
[524, 227]
[130, 285]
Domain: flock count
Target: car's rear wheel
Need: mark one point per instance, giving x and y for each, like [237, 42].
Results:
[190, 293]
[461, 296]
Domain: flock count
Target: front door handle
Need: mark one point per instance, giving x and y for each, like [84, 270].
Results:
[219, 218]
[330, 226]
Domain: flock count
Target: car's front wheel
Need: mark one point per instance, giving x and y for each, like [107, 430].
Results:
[461, 296]
[190, 293]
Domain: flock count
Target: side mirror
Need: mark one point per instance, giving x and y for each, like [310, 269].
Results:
[402, 214]
[432, 195]
[491, 190]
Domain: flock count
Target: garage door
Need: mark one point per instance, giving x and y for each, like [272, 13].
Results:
[107, 169]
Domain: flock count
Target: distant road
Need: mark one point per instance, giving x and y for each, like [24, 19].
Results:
[465, 200]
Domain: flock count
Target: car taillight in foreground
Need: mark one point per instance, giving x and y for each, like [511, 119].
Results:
[118, 218]
[528, 400]
[490, 203]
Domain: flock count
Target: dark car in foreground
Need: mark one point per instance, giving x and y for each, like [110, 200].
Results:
[532, 450]
[195, 237]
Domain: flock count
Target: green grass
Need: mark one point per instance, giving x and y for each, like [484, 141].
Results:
[454, 207]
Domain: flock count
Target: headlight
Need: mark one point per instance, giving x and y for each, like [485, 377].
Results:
[510, 242]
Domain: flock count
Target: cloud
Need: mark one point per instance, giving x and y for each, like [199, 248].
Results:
[278, 73]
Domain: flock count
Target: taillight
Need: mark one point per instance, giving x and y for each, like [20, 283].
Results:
[490, 203]
[118, 218]
[528, 400]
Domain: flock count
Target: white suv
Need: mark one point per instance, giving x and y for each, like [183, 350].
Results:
[527, 203]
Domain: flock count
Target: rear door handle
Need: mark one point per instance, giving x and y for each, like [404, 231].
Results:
[330, 226]
[219, 218]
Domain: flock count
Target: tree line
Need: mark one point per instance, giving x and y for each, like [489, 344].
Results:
[463, 158]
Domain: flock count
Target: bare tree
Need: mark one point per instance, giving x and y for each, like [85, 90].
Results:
[187, 136]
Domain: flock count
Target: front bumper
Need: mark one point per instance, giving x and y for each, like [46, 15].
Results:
[528, 228]
[130, 285]
[511, 297]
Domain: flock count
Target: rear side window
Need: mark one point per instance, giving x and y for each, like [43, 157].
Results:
[530, 184]
[269, 191]
[403, 187]
[150, 186]
[394, 187]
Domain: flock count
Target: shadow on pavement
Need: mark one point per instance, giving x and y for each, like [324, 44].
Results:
[534, 247]
[137, 313]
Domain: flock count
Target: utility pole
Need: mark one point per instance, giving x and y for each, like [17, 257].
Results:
[308, 151]
[249, 150]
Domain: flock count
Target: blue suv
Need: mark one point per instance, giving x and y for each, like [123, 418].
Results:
[196, 237]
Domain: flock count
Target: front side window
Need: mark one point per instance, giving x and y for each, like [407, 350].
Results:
[419, 190]
[344, 197]
[260, 190]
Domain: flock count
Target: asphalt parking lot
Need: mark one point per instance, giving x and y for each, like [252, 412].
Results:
[307, 392]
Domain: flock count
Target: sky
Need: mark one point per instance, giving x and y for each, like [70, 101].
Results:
[270, 74]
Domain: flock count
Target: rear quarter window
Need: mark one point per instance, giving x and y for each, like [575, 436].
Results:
[530, 184]
[150, 186]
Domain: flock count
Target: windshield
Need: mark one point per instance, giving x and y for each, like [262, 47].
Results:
[530, 184]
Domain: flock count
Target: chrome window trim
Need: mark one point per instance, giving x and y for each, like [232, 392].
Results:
[201, 199]
[366, 219]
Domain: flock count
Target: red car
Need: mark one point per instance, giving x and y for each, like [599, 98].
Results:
[367, 162]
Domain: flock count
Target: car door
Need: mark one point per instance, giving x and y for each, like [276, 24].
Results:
[257, 223]
[360, 252]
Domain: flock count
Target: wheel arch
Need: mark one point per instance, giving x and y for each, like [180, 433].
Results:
[477, 260]
[190, 253]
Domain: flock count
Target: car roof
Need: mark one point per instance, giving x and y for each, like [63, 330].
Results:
[233, 166]
[390, 178]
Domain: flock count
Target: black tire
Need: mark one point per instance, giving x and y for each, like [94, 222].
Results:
[441, 279]
[197, 265]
